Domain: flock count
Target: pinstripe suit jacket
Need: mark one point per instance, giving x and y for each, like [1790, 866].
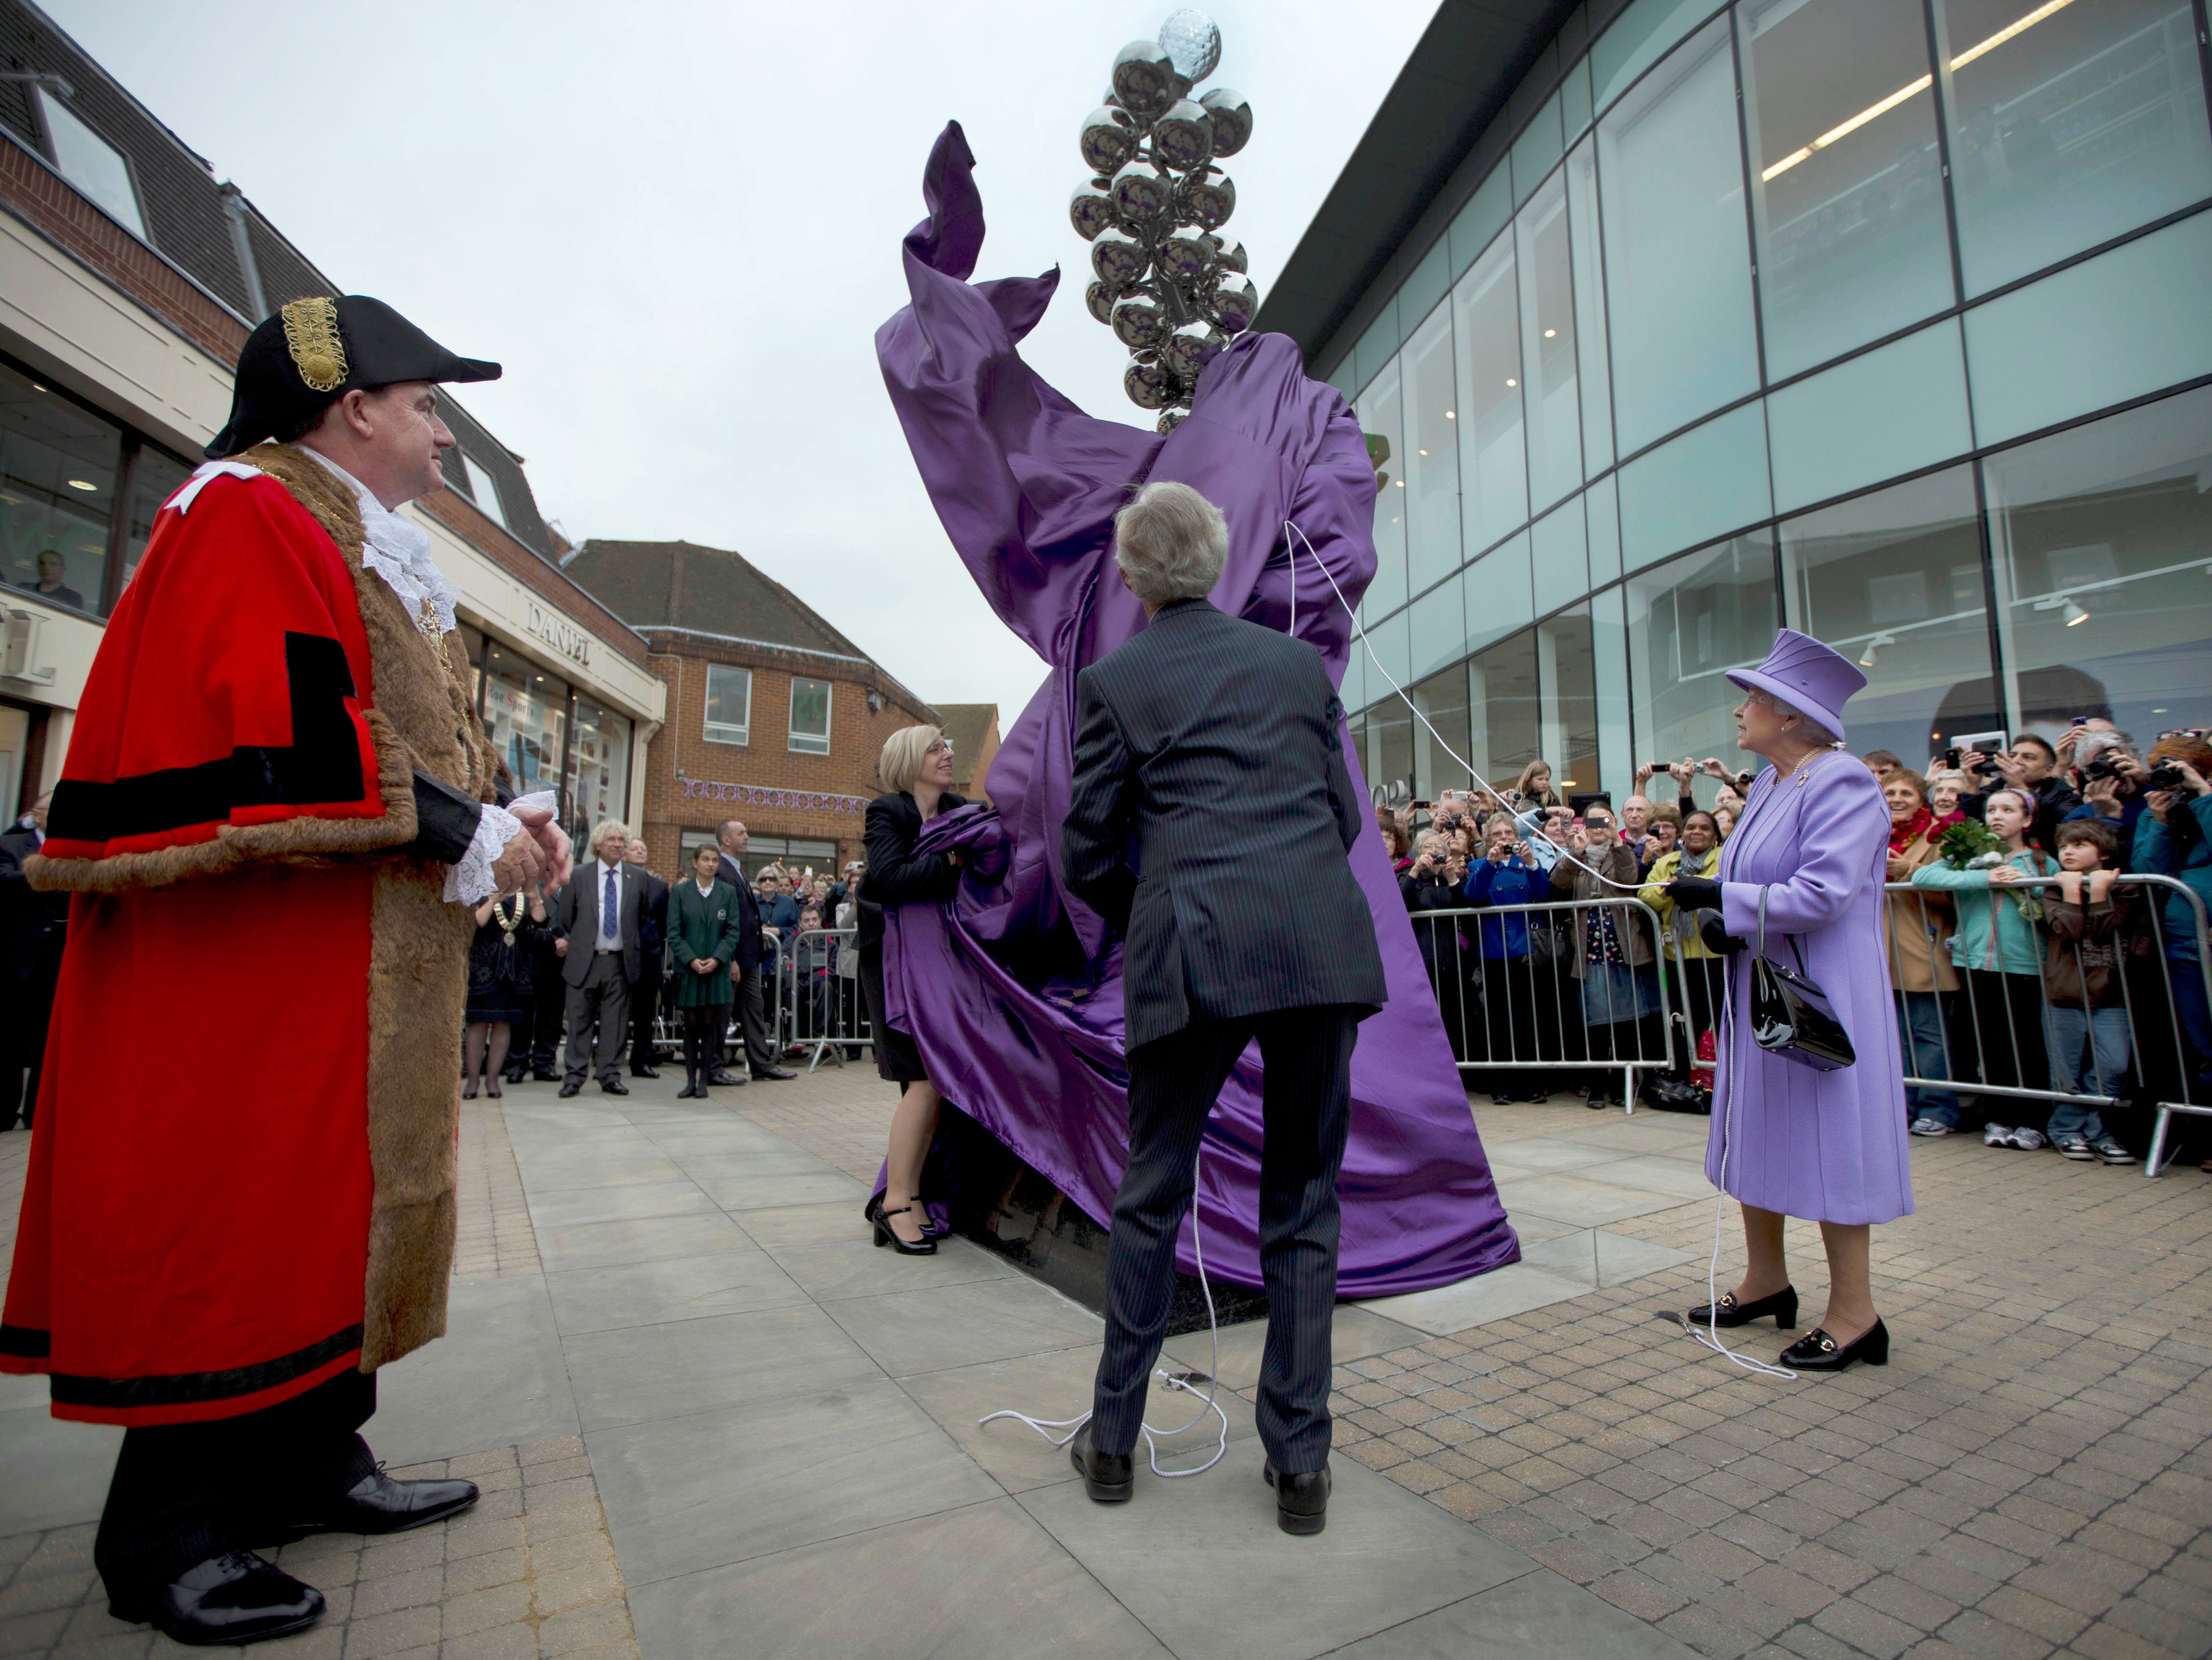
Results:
[1210, 816]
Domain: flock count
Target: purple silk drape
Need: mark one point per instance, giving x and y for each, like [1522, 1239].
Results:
[1028, 1042]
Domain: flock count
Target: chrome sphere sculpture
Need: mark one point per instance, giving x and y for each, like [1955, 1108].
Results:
[1171, 287]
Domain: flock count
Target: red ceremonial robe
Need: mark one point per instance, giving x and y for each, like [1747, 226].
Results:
[241, 1181]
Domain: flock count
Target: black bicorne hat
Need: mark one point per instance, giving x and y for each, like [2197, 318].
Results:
[314, 352]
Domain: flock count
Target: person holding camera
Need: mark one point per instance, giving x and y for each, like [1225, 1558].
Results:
[1517, 977]
[2030, 766]
[1435, 883]
[1612, 958]
[2111, 778]
[2171, 840]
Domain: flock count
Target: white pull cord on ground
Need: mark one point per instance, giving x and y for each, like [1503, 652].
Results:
[1708, 1335]
[1045, 1427]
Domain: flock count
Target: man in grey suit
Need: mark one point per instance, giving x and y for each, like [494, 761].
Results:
[1211, 815]
[595, 934]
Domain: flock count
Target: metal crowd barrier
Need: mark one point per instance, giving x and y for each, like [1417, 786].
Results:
[1995, 1035]
[818, 1009]
[1510, 1012]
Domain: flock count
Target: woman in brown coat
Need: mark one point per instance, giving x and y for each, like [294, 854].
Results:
[1612, 955]
[1919, 925]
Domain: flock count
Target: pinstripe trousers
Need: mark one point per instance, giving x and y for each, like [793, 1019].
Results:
[1307, 1103]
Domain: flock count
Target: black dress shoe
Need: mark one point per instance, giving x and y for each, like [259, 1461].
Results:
[542, 1078]
[567, 1090]
[378, 1504]
[613, 1086]
[721, 1078]
[775, 1072]
[1108, 1477]
[1301, 1497]
[238, 1597]
[1782, 1306]
[886, 1235]
[1817, 1352]
[643, 1071]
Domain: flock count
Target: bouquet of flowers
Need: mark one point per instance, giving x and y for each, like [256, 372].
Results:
[1971, 845]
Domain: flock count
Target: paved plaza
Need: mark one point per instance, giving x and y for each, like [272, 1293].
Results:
[710, 1419]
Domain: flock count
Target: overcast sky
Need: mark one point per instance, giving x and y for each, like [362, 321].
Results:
[677, 226]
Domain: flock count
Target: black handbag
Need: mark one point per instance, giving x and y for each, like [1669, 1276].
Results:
[1790, 1016]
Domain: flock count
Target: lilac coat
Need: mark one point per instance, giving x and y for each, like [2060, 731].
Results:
[1824, 1147]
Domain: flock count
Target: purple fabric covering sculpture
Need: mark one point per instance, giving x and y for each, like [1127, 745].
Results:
[1013, 991]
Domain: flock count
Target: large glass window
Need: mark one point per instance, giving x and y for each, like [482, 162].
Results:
[2070, 123]
[483, 490]
[1560, 547]
[59, 467]
[526, 712]
[88, 162]
[1502, 691]
[1492, 465]
[2103, 538]
[598, 764]
[1699, 486]
[1442, 699]
[1380, 418]
[1500, 591]
[1891, 411]
[810, 715]
[1595, 376]
[729, 704]
[1438, 626]
[1547, 345]
[1894, 581]
[1847, 187]
[1677, 254]
[1689, 620]
[155, 477]
[1569, 706]
[1431, 461]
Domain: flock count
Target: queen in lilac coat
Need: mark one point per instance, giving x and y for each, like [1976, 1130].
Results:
[1787, 1140]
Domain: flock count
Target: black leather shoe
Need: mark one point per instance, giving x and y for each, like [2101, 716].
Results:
[238, 1597]
[1782, 1306]
[542, 1078]
[1301, 1499]
[567, 1090]
[886, 1235]
[378, 1504]
[1108, 1477]
[1817, 1352]
[613, 1086]
[721, 1078]
[643, 1071]
[775, 1072]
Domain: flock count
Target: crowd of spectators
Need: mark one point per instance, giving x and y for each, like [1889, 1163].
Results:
[2018, 965]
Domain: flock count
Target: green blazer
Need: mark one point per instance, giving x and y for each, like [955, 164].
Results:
[702, 925]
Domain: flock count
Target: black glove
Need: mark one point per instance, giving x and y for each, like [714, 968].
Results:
[1717, 939]
[1697, 892]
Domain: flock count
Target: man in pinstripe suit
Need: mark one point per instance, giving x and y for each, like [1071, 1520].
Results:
[1210, 814]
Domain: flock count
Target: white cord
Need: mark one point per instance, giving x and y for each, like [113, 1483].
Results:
[1045, 1427]
[1707, 1335]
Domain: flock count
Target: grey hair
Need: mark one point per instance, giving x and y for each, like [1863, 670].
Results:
[904, 751]
[607, 827]
[2095, 743]
[1820, 732]
[1170, 543]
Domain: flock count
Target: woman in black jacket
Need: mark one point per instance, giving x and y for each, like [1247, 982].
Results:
[917, 764]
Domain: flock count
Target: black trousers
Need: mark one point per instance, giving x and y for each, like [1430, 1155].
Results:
[1307, 1103]
[543, 1051]
[184, 1493]
[753, 1020]
[598, 1019]
[644, 1005]
[703, 1037]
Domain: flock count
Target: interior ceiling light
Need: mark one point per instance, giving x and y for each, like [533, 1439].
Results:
[2074, 615]
[1548, 333]
[1874, 647]
[1920, 86]
[1510, 381]
[1453, 415]
[82, 484]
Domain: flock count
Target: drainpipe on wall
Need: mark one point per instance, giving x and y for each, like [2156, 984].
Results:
[233, 208]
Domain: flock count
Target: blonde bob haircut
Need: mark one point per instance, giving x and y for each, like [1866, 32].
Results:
[904, 751]
[1170, 543]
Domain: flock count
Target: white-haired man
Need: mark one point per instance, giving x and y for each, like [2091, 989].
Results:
[596, 935]
[1215, 746]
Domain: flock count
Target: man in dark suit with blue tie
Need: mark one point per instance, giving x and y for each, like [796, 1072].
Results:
[596, 935]
[1211, 815]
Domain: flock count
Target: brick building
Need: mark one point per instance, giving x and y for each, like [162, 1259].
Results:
[773, 716]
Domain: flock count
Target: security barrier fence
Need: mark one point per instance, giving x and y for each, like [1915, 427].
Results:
[810, 995]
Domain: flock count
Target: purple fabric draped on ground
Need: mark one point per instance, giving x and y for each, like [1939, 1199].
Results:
[1027, 1039]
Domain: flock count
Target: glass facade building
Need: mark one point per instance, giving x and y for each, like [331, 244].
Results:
[1888, 319]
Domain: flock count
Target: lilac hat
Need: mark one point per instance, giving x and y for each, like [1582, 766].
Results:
[1808, 675]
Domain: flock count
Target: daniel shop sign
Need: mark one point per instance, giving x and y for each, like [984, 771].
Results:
[558, 632]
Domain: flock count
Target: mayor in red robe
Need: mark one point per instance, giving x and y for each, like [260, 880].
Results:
[241, 1199]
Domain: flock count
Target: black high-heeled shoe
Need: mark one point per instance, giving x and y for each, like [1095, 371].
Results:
[1782, 1306]
[1817, 1352]
[930, 1230]
[470, 1094]
[492, 1088]
[922, 1247]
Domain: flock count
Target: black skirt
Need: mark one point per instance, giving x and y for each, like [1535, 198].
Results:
[897, 1059]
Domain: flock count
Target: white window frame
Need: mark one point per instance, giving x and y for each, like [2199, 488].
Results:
[484, 489]
[725, 731]
[807, 743]
[66, 129]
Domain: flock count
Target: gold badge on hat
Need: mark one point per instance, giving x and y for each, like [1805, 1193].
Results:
[311, 333]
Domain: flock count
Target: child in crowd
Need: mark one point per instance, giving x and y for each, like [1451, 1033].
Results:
[2081, 983]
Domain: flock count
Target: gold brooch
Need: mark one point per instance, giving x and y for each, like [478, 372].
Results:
[310, 334]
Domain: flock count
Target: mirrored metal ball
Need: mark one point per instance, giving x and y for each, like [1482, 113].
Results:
[1150, 386]
[1091, 211]
[1187, 255]
[1144, 79]
[1108, 139]
[1142, 195]
[1098, 299]
[1232, 119]
[1235, 302]
[1207, 199]
[1229, 252]
[1119, 259]
[1192, 41]
[1172, 419]
[1183, 137]
[1139, 323]
[1191, 347]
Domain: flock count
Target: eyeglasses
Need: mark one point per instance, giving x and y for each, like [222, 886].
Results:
[942, 746]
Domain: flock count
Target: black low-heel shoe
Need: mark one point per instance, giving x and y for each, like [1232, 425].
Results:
[235, 1598]
[1817, 1352]
[1301, 1497]
[1108, 1477]
[1782, 1306]
[884, 1236]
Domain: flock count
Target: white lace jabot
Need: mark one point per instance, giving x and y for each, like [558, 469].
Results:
[398, 550]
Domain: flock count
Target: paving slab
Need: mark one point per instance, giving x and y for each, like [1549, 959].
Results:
[637, 1239]
[1356, 1331]
[1580, 1202]
[940, 1327]
[676, 1195]
[1538, 1617]
[683, 1367]
[1499, 1295]
[497, 1377]
[733, 1281]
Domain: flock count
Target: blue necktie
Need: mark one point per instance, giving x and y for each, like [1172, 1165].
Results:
[610, 915]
